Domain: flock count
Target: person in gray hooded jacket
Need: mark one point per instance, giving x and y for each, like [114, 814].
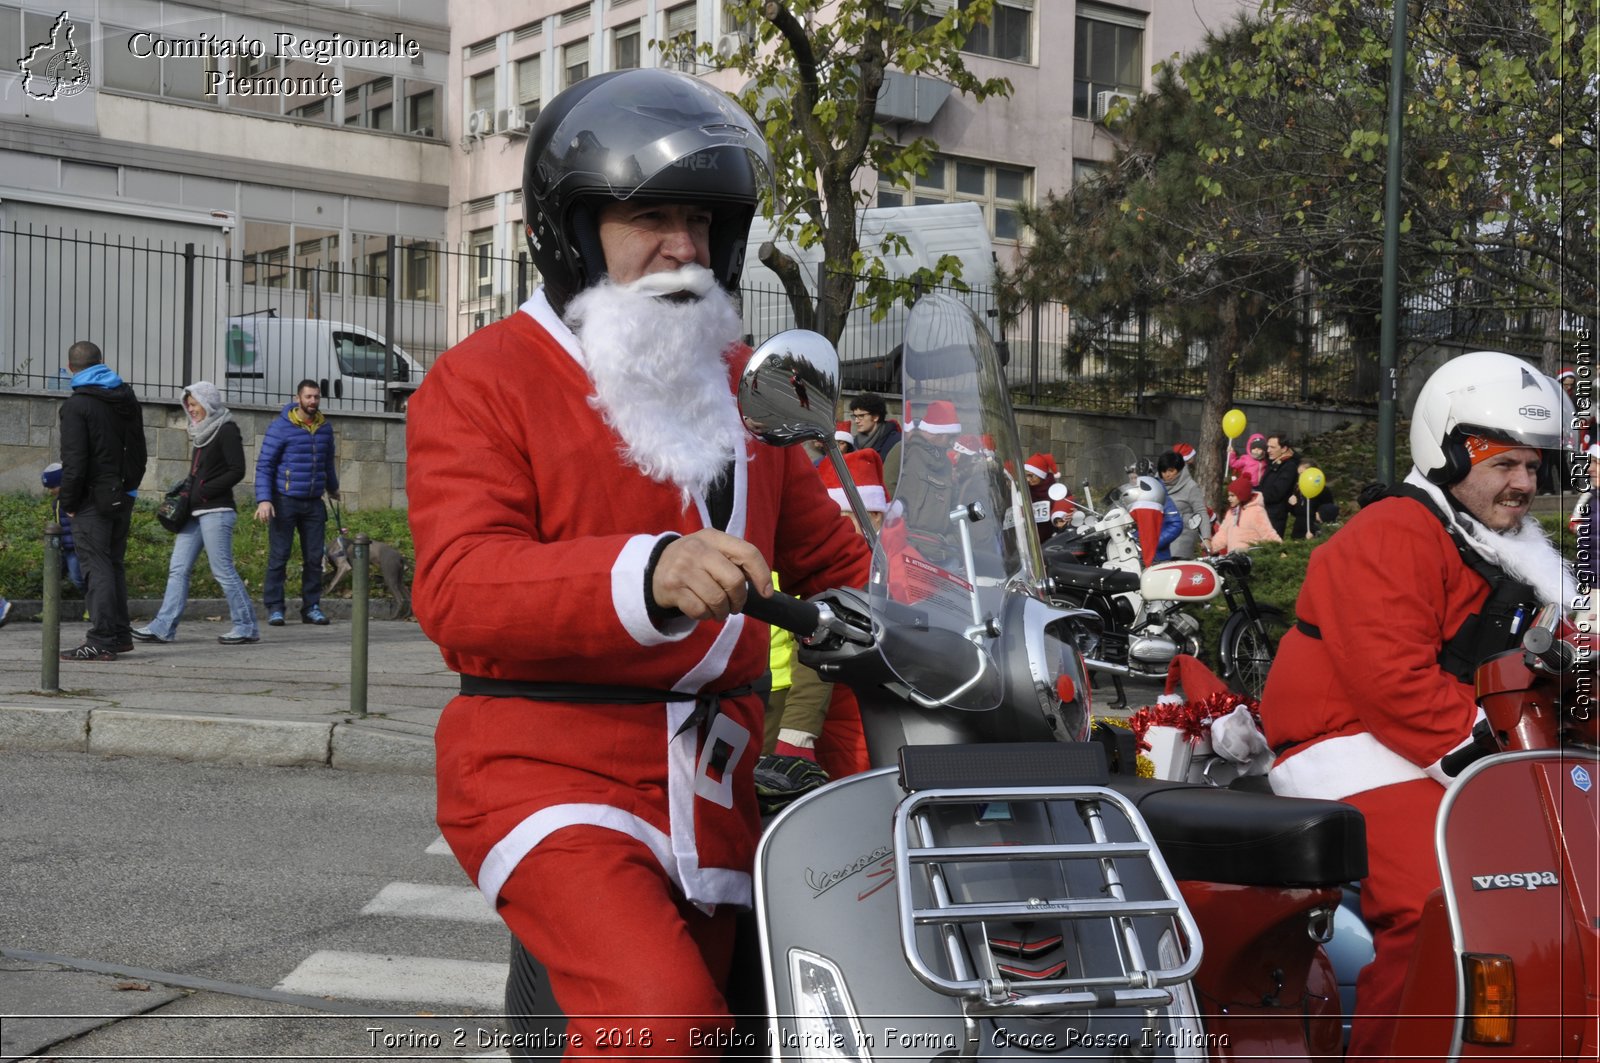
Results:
[1189, 499]
[217, 465]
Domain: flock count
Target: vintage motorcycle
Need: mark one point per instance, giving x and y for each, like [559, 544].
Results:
[1145, 613]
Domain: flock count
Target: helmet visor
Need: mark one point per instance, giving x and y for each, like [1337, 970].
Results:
[628, 133]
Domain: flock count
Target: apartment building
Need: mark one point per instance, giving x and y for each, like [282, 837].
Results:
[1066, 60]
[296, 139]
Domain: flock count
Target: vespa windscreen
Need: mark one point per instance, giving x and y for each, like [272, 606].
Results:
[959, 532]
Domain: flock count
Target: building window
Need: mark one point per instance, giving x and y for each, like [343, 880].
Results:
[1009, 34]
[480, 264]
[529, 86]
[574, 63]
[481, 94]
[1108, 56]
[419, 113]
[1000, 190]
[625, 48]
[678, 39]
[123, 69]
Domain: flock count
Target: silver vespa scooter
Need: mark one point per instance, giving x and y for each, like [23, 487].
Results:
[983, 892]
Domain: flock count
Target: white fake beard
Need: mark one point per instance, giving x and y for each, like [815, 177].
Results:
[660, 375]
[1524, 552]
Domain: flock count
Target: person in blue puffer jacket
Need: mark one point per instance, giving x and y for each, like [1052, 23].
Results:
[295, 468]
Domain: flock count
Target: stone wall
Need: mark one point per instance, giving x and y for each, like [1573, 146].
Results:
[371, 448]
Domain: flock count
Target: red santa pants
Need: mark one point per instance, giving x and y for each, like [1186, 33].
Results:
[637, 970]
[1402, 869]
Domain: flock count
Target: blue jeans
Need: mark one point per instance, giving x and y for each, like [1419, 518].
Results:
[309, 517]
[214, 532]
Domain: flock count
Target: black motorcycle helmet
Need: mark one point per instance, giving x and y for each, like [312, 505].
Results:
[655, 134]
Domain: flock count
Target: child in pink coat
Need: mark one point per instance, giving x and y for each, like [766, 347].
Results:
[1246, 522]
[1253, 462]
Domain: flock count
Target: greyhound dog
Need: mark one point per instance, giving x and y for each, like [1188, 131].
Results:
[389, 563]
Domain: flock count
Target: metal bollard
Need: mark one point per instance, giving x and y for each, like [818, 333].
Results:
[50, 613]
[360, 584]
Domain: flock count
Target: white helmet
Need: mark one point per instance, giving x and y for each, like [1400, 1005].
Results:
[1488, 394]
[1143, 489]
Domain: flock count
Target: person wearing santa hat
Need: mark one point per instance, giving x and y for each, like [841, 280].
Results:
[1246, 522]
[1040, 472]
[597, 769]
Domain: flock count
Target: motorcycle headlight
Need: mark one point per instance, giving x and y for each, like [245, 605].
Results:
[826, 1025]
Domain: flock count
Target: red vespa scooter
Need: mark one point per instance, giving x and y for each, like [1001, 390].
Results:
[1507, 964]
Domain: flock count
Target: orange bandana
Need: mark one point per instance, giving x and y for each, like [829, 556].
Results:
[1481, 449]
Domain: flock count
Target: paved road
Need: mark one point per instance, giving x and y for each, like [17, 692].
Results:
[289, 892]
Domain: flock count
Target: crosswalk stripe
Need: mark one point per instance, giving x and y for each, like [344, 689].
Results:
[420, 900]
[419, 979]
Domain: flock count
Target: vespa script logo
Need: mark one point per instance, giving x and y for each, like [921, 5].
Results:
[1524, 880]
[878, 866]
[54, 69]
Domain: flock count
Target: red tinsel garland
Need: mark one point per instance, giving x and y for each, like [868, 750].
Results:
[1192, 718]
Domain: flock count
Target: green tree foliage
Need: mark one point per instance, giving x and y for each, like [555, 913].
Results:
[1499, 136]
[817, 68]
[1148, 237]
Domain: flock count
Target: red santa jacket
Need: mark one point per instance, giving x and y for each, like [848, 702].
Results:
[532, 536]
[1366, 704]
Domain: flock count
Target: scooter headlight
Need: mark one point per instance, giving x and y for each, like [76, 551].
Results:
[826, 1027]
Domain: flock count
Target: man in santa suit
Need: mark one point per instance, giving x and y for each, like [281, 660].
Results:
[1374, 686]
[589, 516]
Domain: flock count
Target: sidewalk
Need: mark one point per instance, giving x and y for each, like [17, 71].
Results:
[284, 700]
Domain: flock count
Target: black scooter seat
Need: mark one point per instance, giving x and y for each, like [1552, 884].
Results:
[1211, 834]
[1090, 578]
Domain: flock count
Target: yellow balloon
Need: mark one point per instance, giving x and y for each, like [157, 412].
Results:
[1312, 482]
[1233, 424]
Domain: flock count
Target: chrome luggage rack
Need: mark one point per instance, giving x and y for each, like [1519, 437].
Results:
[1125, 977]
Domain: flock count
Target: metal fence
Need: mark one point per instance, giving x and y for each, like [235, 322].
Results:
[167, 314]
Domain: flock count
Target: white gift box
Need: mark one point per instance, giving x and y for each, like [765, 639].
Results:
[1176, 758]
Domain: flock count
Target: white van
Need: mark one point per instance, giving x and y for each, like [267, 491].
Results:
[268, 355]
[868, 350]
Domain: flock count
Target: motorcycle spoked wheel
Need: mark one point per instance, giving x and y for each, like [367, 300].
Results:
[1248, 646]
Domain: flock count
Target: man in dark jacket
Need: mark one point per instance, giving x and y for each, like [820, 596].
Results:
[1280, 482]
[102, 461]
[294, 469]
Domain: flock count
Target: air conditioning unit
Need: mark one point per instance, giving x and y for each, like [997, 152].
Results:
[512, 120]
[480, 123]
[728, 45]
[423, 131]
[1104, 101]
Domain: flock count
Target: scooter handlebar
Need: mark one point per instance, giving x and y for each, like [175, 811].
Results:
[783, 610]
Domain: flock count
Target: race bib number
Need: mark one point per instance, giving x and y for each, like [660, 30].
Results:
[1041, 512]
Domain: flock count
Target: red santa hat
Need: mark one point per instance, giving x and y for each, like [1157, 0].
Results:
[940, 420]
[841, 432]
[969, 445]
[1566, 372]
[866, 469]
[1184, 451]
[1041, 465]
[1061, 507]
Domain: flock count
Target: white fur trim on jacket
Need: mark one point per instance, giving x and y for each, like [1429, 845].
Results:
[1335, 768]
[627, 595]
